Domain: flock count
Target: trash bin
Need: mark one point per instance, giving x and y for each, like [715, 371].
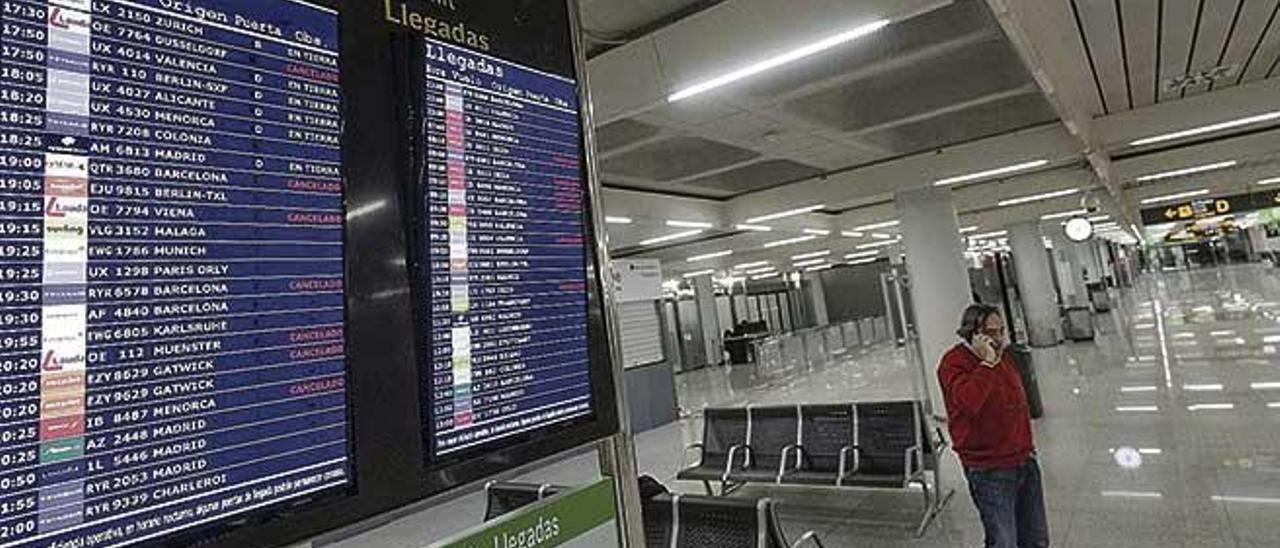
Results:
[1099, 296]
[1030, 385]
[1079, 323]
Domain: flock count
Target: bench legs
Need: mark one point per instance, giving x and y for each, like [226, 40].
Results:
[934, 504]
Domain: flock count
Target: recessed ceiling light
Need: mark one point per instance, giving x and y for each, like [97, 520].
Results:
[813, 255]
[689, 224]
[671, 237]
[754, 228]
[1265, 117]
[618, 220]
[785, 214]
[708, 256]
[1178, 196]
[1187, 171]
[1038, 197]
[991, 173]
[1063, 214]
[877, 226]
[778, 61]
[790, 241]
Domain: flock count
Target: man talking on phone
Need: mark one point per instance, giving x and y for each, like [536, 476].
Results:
[990, 426]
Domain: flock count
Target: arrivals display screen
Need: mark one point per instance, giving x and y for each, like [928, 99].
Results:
[171, 266]
[503, 269]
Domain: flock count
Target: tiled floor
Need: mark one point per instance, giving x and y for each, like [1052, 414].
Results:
[1163, 432]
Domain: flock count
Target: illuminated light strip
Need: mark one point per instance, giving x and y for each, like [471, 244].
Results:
[745, 266]
[1258, 118]
[877, 226]
[991, 173]
[754, 228]
[790, 241]
[760, 271]
[1064, 214]
[785, 214]
[1271, 181]
[618, 220]
[1128, 389]
[697, 273]
[689, 224]
[1211, 406]
[813, 255]
[1137, 408]
[1038, 197]
[862, 254]
[881, 236]
[1186, 171]
[1099, 218]
[1247, 500]
[873, 245]
[868, 260]
[1274, 405]
[811, 262]
[1133, 494]
[1202, 387]
[1150, 451]
[764, 277]
[707, 256]
[969, 229]
[1264, 385]
[819, 268]
[817, 231]
[778, 61]
[1172, 197]
[671, 237]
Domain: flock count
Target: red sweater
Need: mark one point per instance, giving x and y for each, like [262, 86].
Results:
[987, 410]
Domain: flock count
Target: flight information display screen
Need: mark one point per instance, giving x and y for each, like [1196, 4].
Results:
[171, 266]
[505, 269]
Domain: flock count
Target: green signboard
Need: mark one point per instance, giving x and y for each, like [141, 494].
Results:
[552, 522]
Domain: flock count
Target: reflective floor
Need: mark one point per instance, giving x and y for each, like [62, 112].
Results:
[1163, 432]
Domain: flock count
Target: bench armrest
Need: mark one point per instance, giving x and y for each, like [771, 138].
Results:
[782, 462]
[911, 467]
[808, 536]
[845, 451]
[684, 459]
[728, 463]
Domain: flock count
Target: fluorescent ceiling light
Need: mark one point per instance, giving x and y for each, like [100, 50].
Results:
[1038, 197]
[764, 277]
[1273, 405]
[1150, 451]
[1099, 218]
[1128, 389]
[817, 231]
[881, 236]
[785, 214]
[852, 234]
[996, 234]
[1063, 214]
[1178, 196]
[689, 224]
[813, 255]
[717, 254]
[754, 228]
[874, 245]
[756, 264]
[1210, 406]
[759, 271]
[1202, 387]
[1249, 500]
[818, 268]
[969, 229]
[618, 220]
[790, 241]
[700, 273]
[877, 226]
[862, 254]
[1271, 181]
[1266, 117]
[1186, 171]
[867, 260]
[1133, 494]
[1137, 408]
[811, 262]
[1265, 385]
[991, 173]
[779, 60]
[671, 237]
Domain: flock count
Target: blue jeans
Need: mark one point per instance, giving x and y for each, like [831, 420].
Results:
[1011, 504]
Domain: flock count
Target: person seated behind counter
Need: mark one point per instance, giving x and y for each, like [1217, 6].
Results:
[990, 424]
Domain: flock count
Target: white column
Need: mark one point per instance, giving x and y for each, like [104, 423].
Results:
[937, 276]
[818, 296]
[1071, 269]
[704, 296]
[1035, 284]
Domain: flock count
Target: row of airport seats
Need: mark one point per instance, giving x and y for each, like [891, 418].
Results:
[675, 521]
[870, 445]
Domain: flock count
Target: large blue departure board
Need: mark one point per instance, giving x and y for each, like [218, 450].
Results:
[171, 266]
[505, 275]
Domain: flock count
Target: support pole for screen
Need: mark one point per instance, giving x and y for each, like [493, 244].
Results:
[617, 452]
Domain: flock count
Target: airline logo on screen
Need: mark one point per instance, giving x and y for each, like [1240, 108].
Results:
[64, 309]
